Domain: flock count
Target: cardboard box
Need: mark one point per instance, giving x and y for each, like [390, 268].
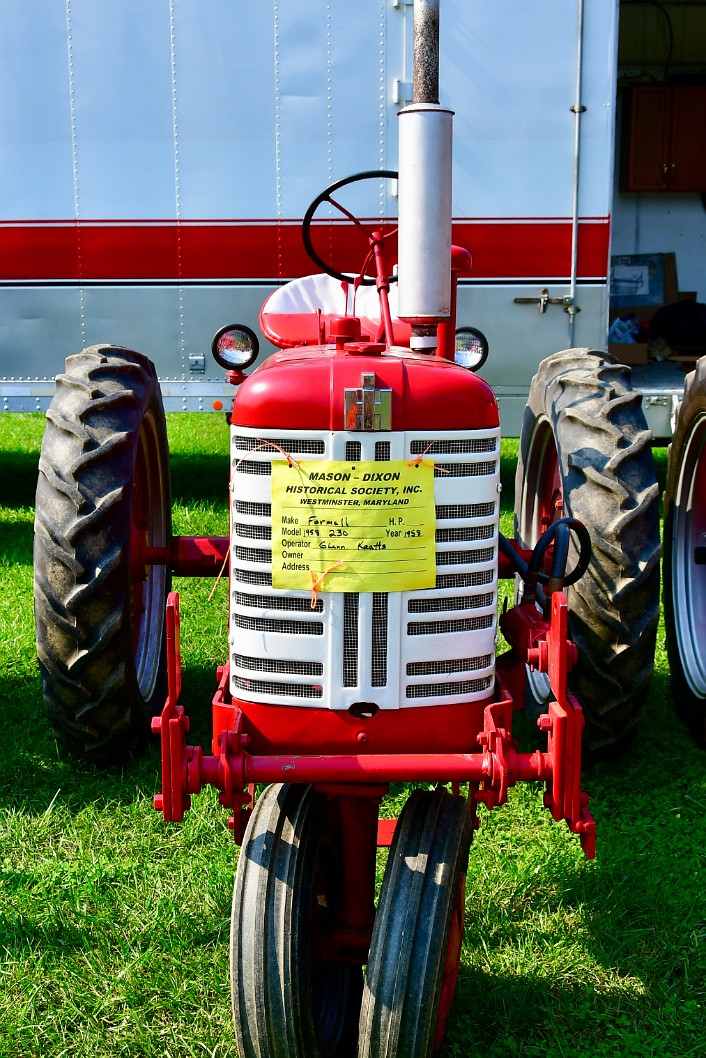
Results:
[632, 352]
[629, 352]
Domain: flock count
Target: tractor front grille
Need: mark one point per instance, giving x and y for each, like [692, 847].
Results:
[397, 649]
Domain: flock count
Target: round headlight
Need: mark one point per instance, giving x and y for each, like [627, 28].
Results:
[235, 347]
[471, 348]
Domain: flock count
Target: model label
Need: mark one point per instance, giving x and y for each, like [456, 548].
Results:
[363, 526]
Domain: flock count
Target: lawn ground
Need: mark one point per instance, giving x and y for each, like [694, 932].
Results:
[114, 925]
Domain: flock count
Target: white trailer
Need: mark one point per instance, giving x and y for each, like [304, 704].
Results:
[158, 159]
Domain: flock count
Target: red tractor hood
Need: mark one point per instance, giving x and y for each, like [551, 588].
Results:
[299, 389]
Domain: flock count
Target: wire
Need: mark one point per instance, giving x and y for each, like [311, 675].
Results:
[531, 573]
[661, 7]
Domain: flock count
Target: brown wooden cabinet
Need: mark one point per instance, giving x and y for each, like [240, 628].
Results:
[664, 139]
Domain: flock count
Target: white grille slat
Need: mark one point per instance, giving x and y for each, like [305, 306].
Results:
[464, 512]
[447, 603]
[294, 667]
[449, 625]
[447, 690]
[278, 625]
[458, 446]
[456, 665]
[291, 603]
[274, 447]
[271, 688]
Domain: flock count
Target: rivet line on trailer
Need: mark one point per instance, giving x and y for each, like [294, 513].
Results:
[177, 183]
[74, 164]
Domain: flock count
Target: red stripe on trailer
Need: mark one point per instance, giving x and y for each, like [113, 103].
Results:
[171, 251]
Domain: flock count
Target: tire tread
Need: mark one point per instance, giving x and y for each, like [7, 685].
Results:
[81, 551]
[609, 483]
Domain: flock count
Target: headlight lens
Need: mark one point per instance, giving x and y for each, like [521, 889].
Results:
[235, 347]
[471, 348]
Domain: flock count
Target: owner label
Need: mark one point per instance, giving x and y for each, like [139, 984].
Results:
[339, 526]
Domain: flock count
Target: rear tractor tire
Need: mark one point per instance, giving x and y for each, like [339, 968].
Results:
[103, 488]
[684, 588]
[585, 453]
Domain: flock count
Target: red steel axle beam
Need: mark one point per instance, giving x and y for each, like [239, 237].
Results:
[248, 768]
[186, 556]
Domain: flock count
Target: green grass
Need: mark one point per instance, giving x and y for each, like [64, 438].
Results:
[114, 925]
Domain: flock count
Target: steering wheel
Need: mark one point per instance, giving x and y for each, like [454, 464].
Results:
[325, 196]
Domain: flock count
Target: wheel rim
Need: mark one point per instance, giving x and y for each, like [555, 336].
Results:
[543, 501]
[148, 583]
[542, 504]
[688, 577]
[452, 963]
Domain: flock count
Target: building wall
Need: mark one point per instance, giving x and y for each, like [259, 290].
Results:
[664, 223]
[662, 43]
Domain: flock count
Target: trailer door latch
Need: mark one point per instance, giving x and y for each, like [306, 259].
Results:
[566, 301]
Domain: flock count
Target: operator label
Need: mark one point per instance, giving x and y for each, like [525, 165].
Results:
[339, 526]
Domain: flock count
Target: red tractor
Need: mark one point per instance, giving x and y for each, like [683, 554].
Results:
[364, 558]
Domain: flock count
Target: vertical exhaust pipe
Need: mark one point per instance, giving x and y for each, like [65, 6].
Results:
[425, 135]
[426, 52]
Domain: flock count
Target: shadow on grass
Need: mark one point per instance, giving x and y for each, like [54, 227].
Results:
[530, 1016]
[661, 456]
[639, 913]
[203, 478]
[16, 542]
[36, 773]
[508, 461]
[18, 481]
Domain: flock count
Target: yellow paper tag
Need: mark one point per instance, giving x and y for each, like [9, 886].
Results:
[339, 526]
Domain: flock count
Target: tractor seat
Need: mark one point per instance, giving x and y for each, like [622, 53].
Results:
[300, 312]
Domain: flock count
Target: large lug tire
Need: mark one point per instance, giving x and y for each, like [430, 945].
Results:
[684, 566]
[585, 452]
[416, 945]
[103, 488]
[292, 997]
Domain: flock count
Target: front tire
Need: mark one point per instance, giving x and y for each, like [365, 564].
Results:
[292, 996]
[585, 453]
[103, 488]
[416, 944]
[684, 588]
